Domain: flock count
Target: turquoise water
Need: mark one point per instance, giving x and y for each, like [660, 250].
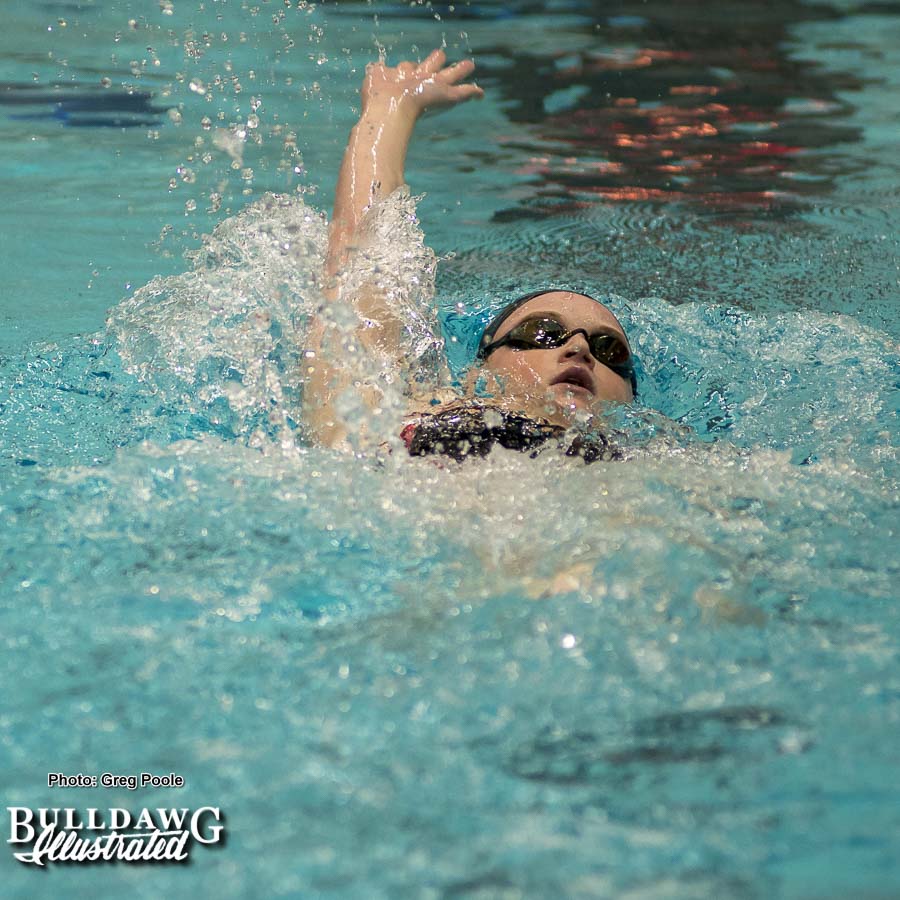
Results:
[674, 676]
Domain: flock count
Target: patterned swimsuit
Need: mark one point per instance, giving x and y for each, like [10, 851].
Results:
[473, 431]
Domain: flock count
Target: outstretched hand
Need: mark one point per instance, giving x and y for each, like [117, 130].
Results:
[413, 88]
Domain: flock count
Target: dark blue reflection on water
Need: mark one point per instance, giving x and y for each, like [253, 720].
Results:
[80, 105]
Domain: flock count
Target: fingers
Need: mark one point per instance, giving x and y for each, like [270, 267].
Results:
[433, 63]
[464, 92]
[433, 66]
[431, 82]
[456, 72]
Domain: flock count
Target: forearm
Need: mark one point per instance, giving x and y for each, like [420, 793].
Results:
[372, 168]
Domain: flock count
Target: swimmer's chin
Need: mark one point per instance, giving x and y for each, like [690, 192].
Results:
[568, 408]
[563, 405]
[572, 396]
[566, 403]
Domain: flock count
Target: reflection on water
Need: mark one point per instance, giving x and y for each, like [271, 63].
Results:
[80, 105]
[681, 102]
[560, 756]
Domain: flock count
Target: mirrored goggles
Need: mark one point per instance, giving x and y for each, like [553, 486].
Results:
[546, 333]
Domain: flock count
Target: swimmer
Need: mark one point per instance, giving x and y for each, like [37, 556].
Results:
[550, 358]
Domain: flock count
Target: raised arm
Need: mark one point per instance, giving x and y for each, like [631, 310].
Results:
[393, 98]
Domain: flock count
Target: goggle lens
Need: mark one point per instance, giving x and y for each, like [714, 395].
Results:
[545, 333]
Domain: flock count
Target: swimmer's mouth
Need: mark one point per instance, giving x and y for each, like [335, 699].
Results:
[575, 377]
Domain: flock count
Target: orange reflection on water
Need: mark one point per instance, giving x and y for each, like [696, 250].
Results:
[718, 198]
[685, 125]
[679, 89]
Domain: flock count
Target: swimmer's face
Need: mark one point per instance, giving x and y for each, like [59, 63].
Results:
[559, 382]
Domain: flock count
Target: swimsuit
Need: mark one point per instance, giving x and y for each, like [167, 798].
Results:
[460, 433]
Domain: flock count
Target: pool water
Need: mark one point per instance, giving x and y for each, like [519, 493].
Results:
[674, 676]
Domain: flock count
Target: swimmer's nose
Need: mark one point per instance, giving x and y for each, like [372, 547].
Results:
[576, 347]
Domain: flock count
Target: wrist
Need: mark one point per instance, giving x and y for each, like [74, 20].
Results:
[384, 131]
[384, 108]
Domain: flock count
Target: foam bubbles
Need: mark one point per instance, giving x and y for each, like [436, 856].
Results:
[230, 331]
[229, 338]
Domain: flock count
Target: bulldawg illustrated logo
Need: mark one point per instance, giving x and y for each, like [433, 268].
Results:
[152, 835]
